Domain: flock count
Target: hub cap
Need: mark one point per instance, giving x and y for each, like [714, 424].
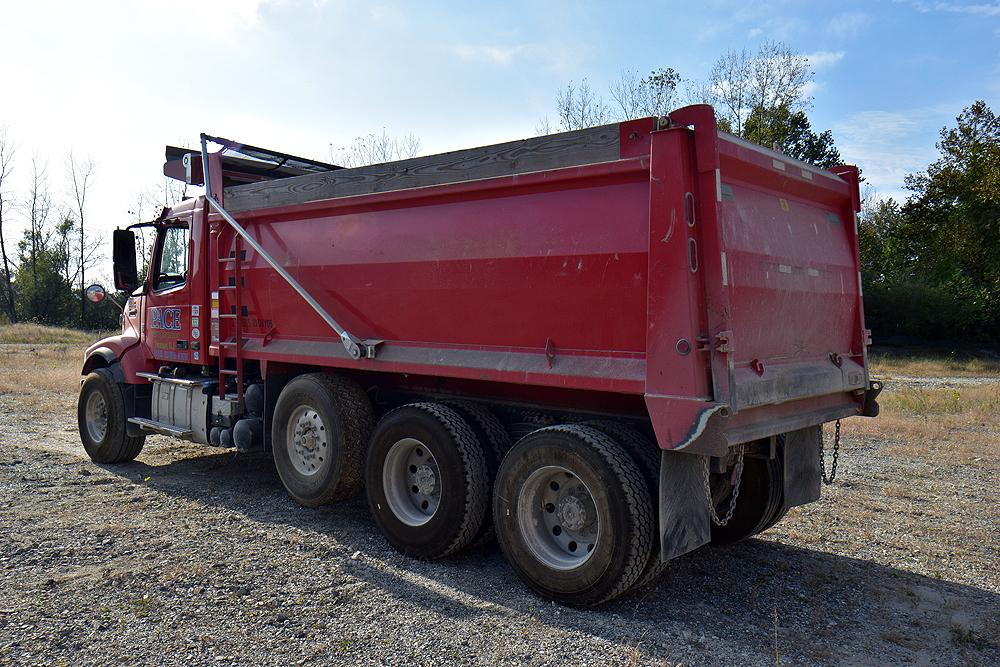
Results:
[558, 518]
[96, 413]
[412, 482]
[306, 439]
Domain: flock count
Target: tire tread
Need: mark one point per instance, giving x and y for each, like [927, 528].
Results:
[645, 453]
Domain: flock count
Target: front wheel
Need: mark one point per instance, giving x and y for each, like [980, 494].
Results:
[574, 515]
[102, 420]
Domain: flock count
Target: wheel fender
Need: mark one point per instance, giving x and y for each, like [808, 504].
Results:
[102, 357]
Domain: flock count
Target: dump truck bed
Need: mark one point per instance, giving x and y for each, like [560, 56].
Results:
[712, 280]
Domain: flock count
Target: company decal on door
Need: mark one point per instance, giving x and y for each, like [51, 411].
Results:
[167, 319]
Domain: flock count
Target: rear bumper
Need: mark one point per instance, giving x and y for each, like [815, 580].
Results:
[710, 428]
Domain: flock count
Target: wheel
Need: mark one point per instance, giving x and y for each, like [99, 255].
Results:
[573, 515]
[759, 502]
[495, 442]
[427, 480]
[101, 417]
[646, 453]
[320, 426]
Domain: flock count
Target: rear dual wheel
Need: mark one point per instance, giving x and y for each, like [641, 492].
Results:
[574, 515]
[646, 454]
[759, 504]
[427, 480]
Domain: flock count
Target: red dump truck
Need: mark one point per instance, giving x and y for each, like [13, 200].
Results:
[606, 347]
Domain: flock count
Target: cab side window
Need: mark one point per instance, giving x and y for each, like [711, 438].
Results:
[172, 267]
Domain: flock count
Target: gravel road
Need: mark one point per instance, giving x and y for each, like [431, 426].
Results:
[192, 556]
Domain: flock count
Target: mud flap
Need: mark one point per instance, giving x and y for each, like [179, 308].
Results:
[801, 466]
[684, 519]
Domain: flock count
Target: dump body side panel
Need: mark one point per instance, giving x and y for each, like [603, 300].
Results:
[537, 279]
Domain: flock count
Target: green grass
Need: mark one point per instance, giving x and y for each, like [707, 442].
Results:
[41, 334]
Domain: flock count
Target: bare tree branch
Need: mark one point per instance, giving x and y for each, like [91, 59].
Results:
[6, 168]
[579, 107]
[81, 173]
[741, 82]
[376, 149]
[640, 96]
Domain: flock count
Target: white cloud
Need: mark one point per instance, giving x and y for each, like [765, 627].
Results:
[884, 125]
[984, 9]
[848, 24]
[810, 88]
[821, 59]
[889, 145]
[386, 15]
[496, 55]
[977, 9]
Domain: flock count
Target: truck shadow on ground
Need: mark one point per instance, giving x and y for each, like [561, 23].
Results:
[815, 601]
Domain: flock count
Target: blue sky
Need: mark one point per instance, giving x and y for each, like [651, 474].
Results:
[118, 80]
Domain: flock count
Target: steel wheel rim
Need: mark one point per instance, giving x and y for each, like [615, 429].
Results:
[411, 478]
[558, 518]
[96, 417]
[307, 441]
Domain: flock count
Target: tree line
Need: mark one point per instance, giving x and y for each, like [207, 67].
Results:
[44, 273]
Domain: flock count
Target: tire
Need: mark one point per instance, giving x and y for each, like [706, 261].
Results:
[602, 496]
[101, 419]
[495, 442]
[427, 480]
[333, 417]
[646, 453]
[758, 504]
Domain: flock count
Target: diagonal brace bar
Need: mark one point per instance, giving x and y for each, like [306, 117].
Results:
[356, 348]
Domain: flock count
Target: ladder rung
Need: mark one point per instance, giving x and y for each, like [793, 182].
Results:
[226, 287]
[227, 316]
[228, 371]
[227, 343]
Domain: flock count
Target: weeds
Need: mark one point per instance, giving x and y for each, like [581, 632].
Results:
[961, 636]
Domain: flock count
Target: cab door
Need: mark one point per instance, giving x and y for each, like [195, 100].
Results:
[171, 322]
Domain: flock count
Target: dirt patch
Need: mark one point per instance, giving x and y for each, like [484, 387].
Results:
[192, 555]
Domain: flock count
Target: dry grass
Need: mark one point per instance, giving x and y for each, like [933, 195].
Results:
[33, 370]
[947, 425]
[979, 402]
[39, 334]
[932, 364]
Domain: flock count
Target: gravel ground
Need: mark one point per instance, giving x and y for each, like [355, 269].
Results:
[192, 555]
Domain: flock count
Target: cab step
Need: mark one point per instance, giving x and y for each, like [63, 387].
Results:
[159, 427]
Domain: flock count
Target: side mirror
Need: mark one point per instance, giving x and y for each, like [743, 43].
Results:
[96, 293]
[123, 258]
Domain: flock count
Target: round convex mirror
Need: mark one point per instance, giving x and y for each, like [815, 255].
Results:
[96, 293]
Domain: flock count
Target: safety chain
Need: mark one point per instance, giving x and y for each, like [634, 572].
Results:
[836, 455]
[735, 480]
